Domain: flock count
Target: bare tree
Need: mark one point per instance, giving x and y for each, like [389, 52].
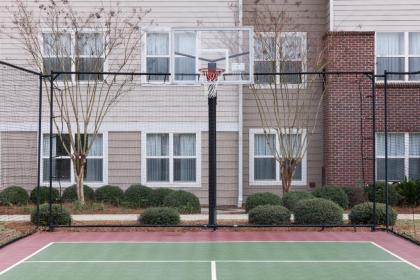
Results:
[289, 102]
[61, 38]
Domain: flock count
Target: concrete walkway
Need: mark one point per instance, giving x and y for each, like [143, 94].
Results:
[185, 218]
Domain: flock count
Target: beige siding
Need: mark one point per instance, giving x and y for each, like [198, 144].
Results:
[124, 151]
[18, 159]
[376, 15]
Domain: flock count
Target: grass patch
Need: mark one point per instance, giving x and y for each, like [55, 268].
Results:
[409, 228]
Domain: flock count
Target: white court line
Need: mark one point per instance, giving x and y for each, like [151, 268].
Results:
[395, 255]
[213, 271]
[225, 261]
[26, 258]
[209, 242]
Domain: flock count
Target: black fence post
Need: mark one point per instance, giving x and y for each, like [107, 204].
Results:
[39, 150]
[386, 148]
[212, 104]
[51, 148]
[374, 221]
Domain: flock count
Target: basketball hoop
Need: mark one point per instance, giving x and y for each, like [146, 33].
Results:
[211, 76]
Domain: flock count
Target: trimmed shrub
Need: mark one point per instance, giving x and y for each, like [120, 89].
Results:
[356, 195]
[70, 195]
[333, 193]
[393, 196]
[44, 194]
[60, 215]
[269, 215]
[160, 216]
[290, 199]
[109, 194]
[409, 192]
[362, 214]
[318, 211]
[258, 199]
[184, 202]
[159, 195]
[14, 195]
[138, 196]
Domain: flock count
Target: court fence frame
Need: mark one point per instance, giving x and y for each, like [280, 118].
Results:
[212, 222]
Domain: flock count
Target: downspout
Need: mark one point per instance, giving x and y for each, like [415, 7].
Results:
[331, 15]
[240, 122]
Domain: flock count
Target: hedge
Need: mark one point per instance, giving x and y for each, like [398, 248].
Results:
[44, 194]
[269, 215]
[409, 192]
[109, 194]
[356, 195]
[290, 199]
[362, 214]
[393, 196]
[333, 193]
[160, 216]
[258, 199]
[138, 196]
[184, 202]
[318, 211]
[70, 195]
[159, 195]
[60, 215]
[14, 195]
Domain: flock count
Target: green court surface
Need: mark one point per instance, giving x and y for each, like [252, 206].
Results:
[213, 261]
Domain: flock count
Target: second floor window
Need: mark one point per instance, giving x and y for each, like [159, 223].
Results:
[157, 55]
[398, 52]
[79, 52]
[283, 53]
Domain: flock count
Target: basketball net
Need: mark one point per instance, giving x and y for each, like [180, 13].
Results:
[212, 80]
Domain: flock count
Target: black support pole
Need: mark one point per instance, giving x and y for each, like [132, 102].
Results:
[51, 148]
[212, 102]
[374, 151]
[386, 148]
[39, 150]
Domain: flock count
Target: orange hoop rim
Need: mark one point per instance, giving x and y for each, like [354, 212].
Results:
[212, 75]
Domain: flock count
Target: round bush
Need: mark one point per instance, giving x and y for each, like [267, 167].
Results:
[356, 195]
[160, 216]
[393, 196]
[14, 195]
[109, 194]
[60, 215]
[290, 199]
[44, 194]
[184, 202]
[269, 215]
[159, 195]
[318, 211]
[333, 193]
[70, 195]
[362, 214]
[258, 199]
[138, 196]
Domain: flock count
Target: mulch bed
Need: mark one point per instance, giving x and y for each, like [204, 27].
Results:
[13, 230]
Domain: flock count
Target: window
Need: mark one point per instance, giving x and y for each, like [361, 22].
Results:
[264, 168]
[157, 55]
[398, 52]
[184, 58]
[62, 164]
[285, 54]
[403, 156]
[88, 54]
[171, 157]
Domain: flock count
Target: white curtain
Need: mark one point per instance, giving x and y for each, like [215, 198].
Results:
[389, 43]
[265, 48]
[291, 47]
[396, 150]
[157, 44]
[94, 170]
[414, 161]
[184, 145]
[90, 44]
[185, 44]
[395, 144]
[264, 167]
[157, 144]
[157, 168]
[184, 168]
[414, 62]
[97, 147]
[262, 144]
[56, 44]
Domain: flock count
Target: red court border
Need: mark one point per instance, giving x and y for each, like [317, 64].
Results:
[17, 251]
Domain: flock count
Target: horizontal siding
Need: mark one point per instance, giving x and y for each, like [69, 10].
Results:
[376, 15]
[18, 159]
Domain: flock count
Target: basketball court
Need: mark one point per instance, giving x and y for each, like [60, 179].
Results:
[202, 255]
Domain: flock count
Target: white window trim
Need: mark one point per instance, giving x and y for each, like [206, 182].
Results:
[171, 182]
[72, 50]
[406, 155]
[303, 36]
[277, 181]
[407, 55]
[72, 180]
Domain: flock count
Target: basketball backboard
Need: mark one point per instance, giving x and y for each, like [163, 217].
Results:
[231, 49]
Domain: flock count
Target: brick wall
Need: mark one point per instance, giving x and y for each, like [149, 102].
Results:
[348, 109]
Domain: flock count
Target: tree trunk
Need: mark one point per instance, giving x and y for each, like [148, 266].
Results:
[287, 169]
[79, 172]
